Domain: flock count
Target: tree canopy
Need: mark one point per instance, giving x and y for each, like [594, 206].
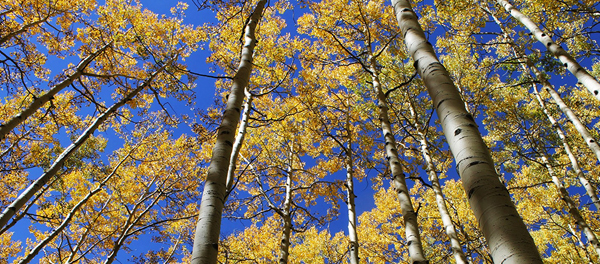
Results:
[300, 131]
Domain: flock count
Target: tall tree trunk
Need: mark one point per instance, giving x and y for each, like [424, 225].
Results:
[573, 210]
[503, 228]
[206, 239]
[590, 190]
[20, 201]
[285, 213]
[58, 230]
[568, 61]
[579, 126]
[352, 233]
[411, 227]
[455, 243]
[38, 102]
[239, 140]
[580, 244]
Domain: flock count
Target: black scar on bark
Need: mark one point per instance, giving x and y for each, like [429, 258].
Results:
[456, 132]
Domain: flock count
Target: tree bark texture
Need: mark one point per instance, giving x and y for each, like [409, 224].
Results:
[352, 232]
[206, 239]
[239, 140]
[572, 207]
[568, 61]
[411, 226]
[505, 232]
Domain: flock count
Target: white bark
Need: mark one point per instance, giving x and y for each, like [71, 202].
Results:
[411, 227]
[40, 101]
[568, 61]
[206, 239]
[352, 232]
[56, 231]
[580, 243]
[590, 190]
[506, 234]
[579, 126]
[455, 243]
[20, 201]
[285, 213]
[239, 140]
[573, 210]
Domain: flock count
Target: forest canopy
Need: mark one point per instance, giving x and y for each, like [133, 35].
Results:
[282, 131]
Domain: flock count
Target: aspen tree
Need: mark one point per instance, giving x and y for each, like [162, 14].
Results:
[415, 246]
[572, 207]
[568, 61]
[580, 243]
[24, 197]
[208, 227]
[590, 190]
[30, 255]
[457, 251]
[40, 101]
[352, 234]
[348, 160]
[547, 86]
[239, 140]
[285, 212]
[504, 230]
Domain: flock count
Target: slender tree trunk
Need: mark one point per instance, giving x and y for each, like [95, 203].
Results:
[352, 233]
[503, 228]
[411, 227]
[23, 29]
[590, 190]
[20, 201]
[56, 231]
[455, 243]
[568, 61]
[580, 244]
[573, 210]
[285, 213]
[239, 140]
[579, 126]
[132, 221]
[457, 251]
[38, 102]
[206, 239]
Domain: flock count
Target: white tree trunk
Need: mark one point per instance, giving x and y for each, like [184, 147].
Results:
[506, 234]
[56, 231]
[43, 99]
[590, 190]
[239, 140]
[20, 201]
[411, 227]
[580, 127]
[573, 210]
[352, 232]
[568, 61]
[285, 213]
[457, 251]
[208, 228]
[580, 243]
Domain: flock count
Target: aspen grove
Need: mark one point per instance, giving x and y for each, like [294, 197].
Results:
[283, 131]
